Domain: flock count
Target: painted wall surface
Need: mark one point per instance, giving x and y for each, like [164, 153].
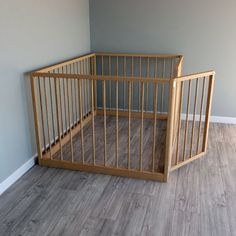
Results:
[203, 31]
[32, 34]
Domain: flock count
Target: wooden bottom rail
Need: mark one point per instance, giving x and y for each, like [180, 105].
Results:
[102, 170]
[134, 114]
[56, 147]
[183, 163]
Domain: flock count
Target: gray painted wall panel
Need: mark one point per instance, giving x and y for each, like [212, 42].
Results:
[33, 34]
[203, 31]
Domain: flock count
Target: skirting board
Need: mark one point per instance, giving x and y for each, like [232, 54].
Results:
[213, 119]
[17, 174]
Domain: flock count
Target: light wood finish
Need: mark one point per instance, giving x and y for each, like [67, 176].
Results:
[179, 121]
[208, 111]
[104, 121]
[52, 112]
[36, 117]
[100, 169]
[41, 110]
[141, 128]
[81, 120]
[136, 114]
[58, 116]
[69, 118]
[104, 77]
[60, 96]
[189, 147]
[201, 110]
[138, 55]
[65, 63]
[169, 133]
[93, 128]
[129, 123]
[163, 85]
[124, 83]
[67, 137]
[194, 116]
[83, 91]
[47, 115]
[117, 126]
[187, 121]
[154, 126]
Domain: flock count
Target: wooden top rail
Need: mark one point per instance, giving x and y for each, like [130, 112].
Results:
[195, 76]
[64, 63]
[138, 55]
[86, 56]
[101, 77]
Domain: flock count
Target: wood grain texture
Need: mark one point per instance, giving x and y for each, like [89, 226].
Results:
[199, 199]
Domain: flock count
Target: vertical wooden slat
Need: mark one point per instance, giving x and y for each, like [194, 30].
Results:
[141, 128]
[109, 72]
[179, 122]
[124, 82]
[85, 90]
[172, 69]
[64, 98]
[42, 114]
[156, 68]
[81, 120]
[75, 95]
[87, 86]
[117, 126]
[52, 111]
[154, 126]
[169, 131]
[148, 75]
[139, 84]
[163, 85]
[36, 117]
[61, 113]
[69, 118]
[58, 116]
[186, 122]
[105, 125]
[194, 116]
[93, 129]
[208, 111]
[72, 99]
[200, 118]
[132, 86]
[47, 116]
[95, 82]
[129, 122]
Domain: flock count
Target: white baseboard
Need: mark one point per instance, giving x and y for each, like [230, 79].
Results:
[223, 119]
[17, 174]
[213, 119]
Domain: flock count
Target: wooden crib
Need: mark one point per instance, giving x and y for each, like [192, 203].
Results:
[129, 115]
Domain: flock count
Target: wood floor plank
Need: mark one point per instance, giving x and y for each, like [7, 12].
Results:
[214, 219]
[199, 199]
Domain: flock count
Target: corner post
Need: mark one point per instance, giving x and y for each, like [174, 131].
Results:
[208, 111]
[170, 131]
[36, 118]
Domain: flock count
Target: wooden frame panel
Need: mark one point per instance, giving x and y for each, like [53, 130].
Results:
[79, 103]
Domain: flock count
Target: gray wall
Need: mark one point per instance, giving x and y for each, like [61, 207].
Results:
[33, 34]
[203, 31]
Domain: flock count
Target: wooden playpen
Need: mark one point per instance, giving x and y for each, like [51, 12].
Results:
[121, 114]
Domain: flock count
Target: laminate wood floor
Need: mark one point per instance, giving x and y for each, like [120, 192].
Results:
[199, 199]
[135, 127]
